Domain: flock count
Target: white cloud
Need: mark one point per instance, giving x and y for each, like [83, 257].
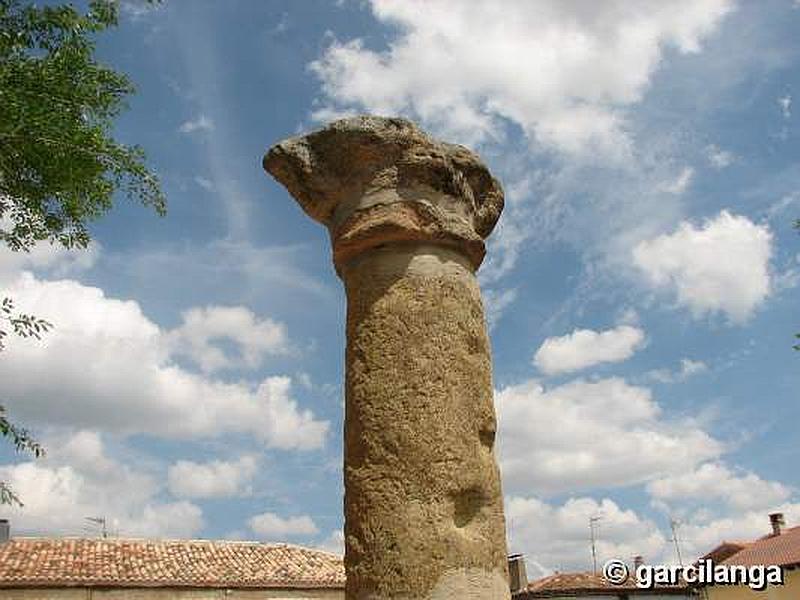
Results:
[204, 183]
[718, 157]
[282, 25]
[78, 479]
[201, 123]
[779, 207]
[53, 260]
[555, 537]
[576, 89]
[255, 272]
[138, 9]
[496, 303]
[785, 102]
[253, 337]
[285, 425]
[681, 183]
[106, 365]
[687, 369]
[721, 266]
[585, 348]
[714, 482]
[214, 479]
[700, 535]
[564, 72]
[274, 527]
[178, 520]
[628, 316]
[512, 231]
[691, 367]
[85, 451]
[714, 502]
[789, 277]
[588, 434]
[334, 543]
[565, 208]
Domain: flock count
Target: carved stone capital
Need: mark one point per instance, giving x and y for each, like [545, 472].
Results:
[376, 181]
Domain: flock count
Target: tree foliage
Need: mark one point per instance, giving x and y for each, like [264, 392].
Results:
[23, 441]
[59, 164]
[24, 326]
[21, 324]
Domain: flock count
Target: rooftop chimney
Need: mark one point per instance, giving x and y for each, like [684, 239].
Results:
[777, 522]
[517, 577]
[5, 531]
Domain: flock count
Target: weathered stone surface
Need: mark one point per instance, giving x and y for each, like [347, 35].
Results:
[407, 216]
[422, 491]
[350, 175]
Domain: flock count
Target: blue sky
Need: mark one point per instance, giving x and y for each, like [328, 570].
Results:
[642, 286]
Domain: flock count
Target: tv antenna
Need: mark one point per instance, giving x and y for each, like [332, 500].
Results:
[593, 536]
[674, 524]
[101, 523]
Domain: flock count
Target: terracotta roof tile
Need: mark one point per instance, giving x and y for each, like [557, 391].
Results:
[575, 583]
[725, 550]
[783, 550]
[28, 562]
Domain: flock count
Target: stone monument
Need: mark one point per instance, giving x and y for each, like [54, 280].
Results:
[407, 217]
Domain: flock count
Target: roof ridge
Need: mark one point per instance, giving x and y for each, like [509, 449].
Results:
[78, 538]
[588, 581]
[782, 549]
[736, 542]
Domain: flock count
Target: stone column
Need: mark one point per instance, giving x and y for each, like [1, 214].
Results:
[407, 216]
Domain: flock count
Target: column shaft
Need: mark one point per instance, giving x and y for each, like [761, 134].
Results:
[423, 506]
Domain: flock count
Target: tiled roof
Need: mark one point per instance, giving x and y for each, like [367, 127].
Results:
[725, 550]
[783, 550]
[565, 584]
[29, 562]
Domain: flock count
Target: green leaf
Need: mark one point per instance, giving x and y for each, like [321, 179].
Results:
[60, 166]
